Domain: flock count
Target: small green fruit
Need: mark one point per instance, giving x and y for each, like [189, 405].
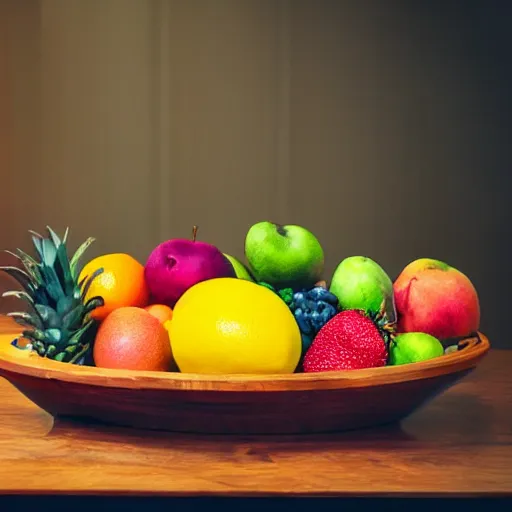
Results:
[241, 270]
[284, 256]
[361, 283]
[412, 347]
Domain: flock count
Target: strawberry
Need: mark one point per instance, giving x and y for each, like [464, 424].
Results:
[350, 340]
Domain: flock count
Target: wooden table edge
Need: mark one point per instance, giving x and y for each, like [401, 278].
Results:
[259, 494]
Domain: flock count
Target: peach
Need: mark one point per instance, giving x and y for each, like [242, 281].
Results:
[436, 298]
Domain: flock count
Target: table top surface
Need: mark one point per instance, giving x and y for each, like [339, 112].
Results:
[459, 444]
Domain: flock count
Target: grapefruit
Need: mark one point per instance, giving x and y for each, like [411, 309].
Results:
[130, 338]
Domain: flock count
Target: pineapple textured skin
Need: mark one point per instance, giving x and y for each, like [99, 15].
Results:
[58, 325]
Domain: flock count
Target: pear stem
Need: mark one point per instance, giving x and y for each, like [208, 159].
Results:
[194, 233]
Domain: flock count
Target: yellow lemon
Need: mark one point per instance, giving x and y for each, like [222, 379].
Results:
[228, 326]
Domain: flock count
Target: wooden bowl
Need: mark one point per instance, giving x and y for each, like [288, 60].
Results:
[237, 404]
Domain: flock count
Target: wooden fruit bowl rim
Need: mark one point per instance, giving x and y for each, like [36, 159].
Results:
[471, 351]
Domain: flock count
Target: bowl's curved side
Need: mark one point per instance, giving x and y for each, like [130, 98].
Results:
[238, 412]
[13, 361]
[344, 400]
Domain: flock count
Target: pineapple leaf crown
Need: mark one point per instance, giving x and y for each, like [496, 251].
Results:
[59, 316]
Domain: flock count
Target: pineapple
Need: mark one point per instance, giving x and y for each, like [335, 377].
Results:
[59, 326]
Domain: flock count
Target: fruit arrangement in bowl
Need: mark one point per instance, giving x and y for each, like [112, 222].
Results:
[194, 309]
[193, 317]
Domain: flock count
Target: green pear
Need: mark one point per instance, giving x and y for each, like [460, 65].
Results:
[240, 269]
[284, 256]
[361, 283]
[413, 347]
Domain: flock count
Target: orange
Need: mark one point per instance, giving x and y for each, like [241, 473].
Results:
[132, 339]
[121, 283]
[160, 311]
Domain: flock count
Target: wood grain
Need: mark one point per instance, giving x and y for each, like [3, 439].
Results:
[459, 444]
[239, 404]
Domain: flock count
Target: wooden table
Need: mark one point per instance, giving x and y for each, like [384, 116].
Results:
[458, 445]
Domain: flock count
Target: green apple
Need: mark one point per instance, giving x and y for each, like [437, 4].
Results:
[241, 270]
[284, 255]
[361, 283]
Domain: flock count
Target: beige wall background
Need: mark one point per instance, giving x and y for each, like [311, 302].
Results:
[378, 125]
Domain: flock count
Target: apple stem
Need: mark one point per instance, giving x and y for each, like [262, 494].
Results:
[194, 233]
